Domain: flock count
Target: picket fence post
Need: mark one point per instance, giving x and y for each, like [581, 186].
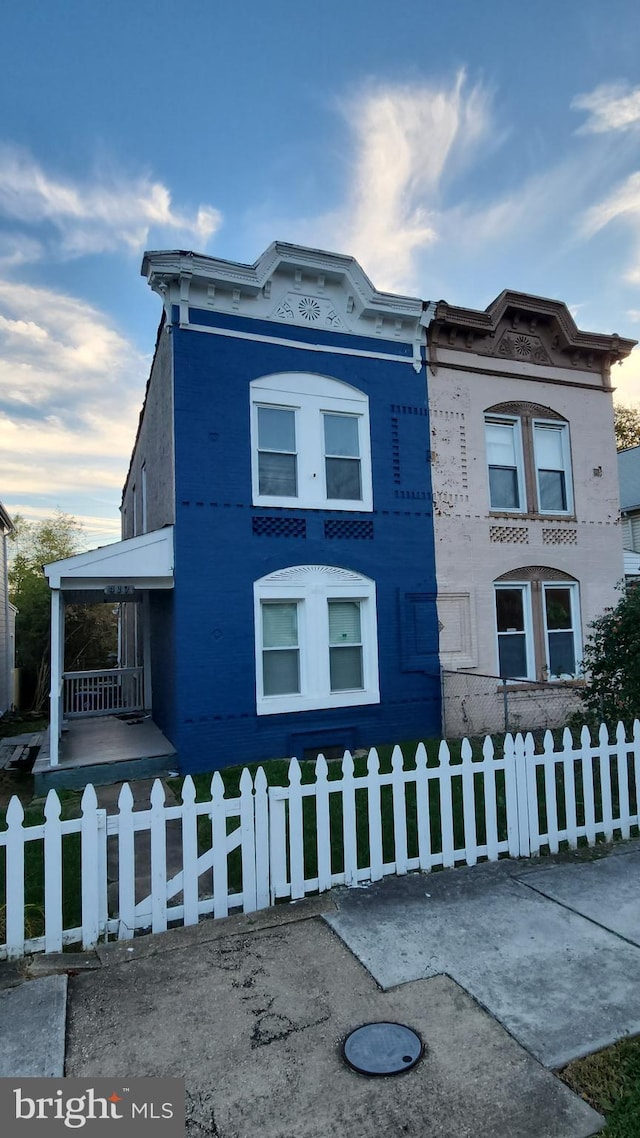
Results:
[15, 878]
[374, 811]
[189, 830]
[261, 848]
[52, 874]
[323, 824]
[126, 865]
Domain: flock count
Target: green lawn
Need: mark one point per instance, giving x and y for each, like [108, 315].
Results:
[610, 1082]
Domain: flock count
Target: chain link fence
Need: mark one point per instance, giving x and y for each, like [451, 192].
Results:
[477, 704]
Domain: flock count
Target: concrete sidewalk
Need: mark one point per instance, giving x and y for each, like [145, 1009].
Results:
[505, 969]
[552, 950]
[252, 1014]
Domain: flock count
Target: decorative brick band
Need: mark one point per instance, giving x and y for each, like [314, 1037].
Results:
[560, 536]
[279, 527]
[512, 535]
[358, 530]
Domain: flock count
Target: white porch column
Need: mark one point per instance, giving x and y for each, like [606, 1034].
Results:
[57, 669]
[146, 651]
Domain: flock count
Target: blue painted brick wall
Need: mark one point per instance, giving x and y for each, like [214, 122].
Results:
[219, 556]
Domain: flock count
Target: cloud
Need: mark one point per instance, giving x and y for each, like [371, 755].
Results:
[408, 142]
[623, 200]
[102, 213]
[612, 106]
[71, 386]
[623, 203]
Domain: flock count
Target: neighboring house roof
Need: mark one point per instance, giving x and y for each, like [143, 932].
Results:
[5, 520]
[629, 478]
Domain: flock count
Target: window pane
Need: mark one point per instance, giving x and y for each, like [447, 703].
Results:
[279, 625]
[510, 610]
[503, 488]
[281, 672]
[344, 622]
[553, 495]
[501, 447]
[276, 429]
[341, 435]
[562, 656]
[277, 475]
[558, 608]
[512, 653]
[343, 478]
[548, 444]
[346, 668]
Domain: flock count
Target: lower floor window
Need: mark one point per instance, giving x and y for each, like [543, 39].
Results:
[538, 626]
[316, 639]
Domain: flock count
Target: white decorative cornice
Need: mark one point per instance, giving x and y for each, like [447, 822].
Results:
[288, 284]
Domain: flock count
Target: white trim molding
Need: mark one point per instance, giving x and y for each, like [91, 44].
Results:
[310, 443]
[303, 595]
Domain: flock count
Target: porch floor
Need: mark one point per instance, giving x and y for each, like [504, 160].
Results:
[105, 749]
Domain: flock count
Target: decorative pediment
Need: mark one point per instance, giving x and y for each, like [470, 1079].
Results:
[517, 346]
[309, 311]
[288, 284]
[527, 330]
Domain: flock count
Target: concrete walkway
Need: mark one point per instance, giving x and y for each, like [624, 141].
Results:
[505, 969]
[553, 952]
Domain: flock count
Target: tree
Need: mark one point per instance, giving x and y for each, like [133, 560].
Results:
[91, 632]
[612, 661]
[627, 426]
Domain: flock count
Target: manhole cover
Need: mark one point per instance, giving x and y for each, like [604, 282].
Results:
[382, 1049]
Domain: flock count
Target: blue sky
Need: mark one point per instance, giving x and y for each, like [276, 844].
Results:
[455, 149]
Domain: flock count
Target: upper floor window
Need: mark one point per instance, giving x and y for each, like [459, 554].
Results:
[316, 639]
[310, 443]
[529, 460]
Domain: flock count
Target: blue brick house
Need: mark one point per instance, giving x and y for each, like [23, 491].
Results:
[277, 534]
[285, 436]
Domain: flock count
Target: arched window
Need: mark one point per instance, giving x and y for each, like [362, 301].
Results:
[538, 624]
[310, 443]
[528, 459]
[316, 639]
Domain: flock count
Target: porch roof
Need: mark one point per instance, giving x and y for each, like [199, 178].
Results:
[143, 562]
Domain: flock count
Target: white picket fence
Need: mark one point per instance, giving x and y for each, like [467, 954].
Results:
[150, 868]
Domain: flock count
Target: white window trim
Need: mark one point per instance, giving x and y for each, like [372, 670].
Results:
[311, 587]
[525, 588]
[563, 430]
[515, 422]
[309, 396]
[550, 586]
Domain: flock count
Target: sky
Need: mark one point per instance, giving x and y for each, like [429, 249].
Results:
[454, 149]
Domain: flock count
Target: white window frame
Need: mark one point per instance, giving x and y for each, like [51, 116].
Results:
[525, 588]
[563, 431]
[514, 422]
[572, 587]
[527, 463]
[310, 396]
[530, 618]
[311, 587]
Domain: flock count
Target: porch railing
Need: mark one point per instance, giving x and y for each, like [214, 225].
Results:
[103, 692]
